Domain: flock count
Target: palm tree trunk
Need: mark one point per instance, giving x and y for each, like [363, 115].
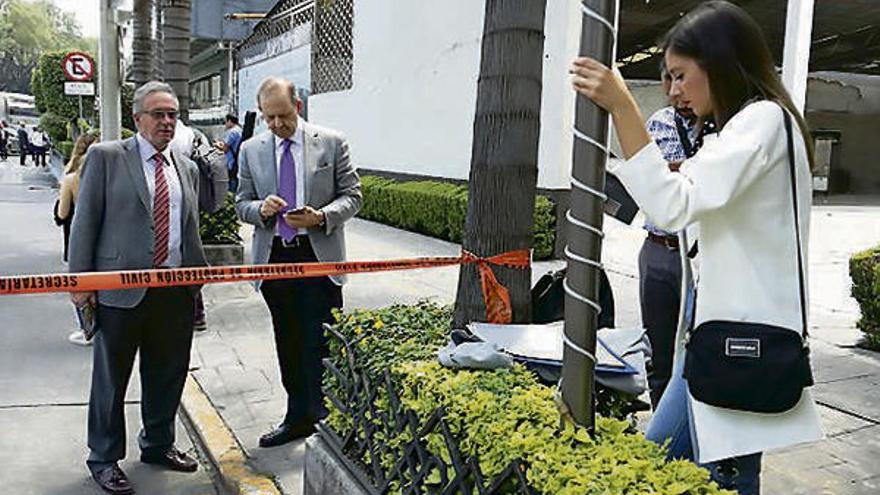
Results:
[504, 158]
[143, 48]
[176, 28]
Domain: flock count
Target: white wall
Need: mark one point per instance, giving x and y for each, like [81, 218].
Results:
[411, 107]
[294, 65]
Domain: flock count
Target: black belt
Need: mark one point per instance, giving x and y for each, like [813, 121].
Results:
[669, 241]
[297, 242]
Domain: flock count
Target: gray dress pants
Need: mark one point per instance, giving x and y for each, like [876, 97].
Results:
[161, 329]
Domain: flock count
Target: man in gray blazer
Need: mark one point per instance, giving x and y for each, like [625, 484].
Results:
[298, 188]
[138, 208]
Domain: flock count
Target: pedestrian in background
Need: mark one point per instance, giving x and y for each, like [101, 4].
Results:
[4, 141]
[39, 144]
[66, 206]
[297, 186]
[229, 146]
[739, 189]
[24, 146]
[136, 209]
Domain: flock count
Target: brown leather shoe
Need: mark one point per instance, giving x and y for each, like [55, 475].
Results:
[173, 459]
[111, 479]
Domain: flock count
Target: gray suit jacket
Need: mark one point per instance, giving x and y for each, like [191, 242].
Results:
[112, 223]
[331, 185]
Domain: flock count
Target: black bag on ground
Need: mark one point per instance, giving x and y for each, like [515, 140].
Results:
[752, 366]
[548, 299]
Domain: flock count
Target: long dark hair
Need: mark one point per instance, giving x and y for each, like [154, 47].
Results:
[729, 45]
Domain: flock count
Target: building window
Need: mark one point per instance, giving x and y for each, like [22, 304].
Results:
[206, 92]
[332, 46]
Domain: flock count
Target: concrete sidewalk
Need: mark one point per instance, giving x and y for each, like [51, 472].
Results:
[234, 360]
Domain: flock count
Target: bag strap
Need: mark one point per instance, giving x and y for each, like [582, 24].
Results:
[797, 230]
[684, 138]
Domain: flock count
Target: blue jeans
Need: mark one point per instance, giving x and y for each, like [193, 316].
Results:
[671, 420]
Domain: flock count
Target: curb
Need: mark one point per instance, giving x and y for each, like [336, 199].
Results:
[221, 446]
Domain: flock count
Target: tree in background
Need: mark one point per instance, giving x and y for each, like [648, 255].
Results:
[504, 159]
[146, 56]
[29, 28]
[176, 29]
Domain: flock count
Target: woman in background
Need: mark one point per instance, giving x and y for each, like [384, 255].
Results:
[66, 206]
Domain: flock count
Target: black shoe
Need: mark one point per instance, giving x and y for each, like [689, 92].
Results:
[287, 433]
[173, 459]
[111, 479]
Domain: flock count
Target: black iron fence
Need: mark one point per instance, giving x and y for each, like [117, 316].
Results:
[388, 448]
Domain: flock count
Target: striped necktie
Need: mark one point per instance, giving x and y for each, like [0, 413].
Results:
[161, 213]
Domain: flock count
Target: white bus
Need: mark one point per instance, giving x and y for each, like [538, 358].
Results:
[14, 109]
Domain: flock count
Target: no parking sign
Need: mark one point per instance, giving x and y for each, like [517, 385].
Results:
[78, 67]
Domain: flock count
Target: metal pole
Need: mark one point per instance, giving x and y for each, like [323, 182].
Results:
[591, 129]
[230, 90]
[80, 98]
[108, 61]
[796, 54]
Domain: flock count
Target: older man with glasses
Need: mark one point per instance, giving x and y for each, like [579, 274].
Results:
[137, 208]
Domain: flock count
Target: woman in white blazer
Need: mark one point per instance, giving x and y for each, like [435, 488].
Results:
[738, 189]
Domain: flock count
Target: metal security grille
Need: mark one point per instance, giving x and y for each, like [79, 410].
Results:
[332, 47]
[386, 448]
[287, 26]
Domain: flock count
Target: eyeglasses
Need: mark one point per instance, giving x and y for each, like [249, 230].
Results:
[161, 114]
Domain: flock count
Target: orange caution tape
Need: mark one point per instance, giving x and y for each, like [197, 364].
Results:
[495, 296]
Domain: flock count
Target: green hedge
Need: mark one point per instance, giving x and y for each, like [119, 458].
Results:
[439, 209]
[220, 227]
[499, 415]
[864, 270]
[65, 148]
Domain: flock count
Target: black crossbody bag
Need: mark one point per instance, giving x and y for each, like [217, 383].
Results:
[752, 366]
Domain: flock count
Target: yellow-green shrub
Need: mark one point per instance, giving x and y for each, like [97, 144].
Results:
[500, 415]
[864, 270]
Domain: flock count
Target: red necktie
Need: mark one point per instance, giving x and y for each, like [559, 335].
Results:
[161, 213]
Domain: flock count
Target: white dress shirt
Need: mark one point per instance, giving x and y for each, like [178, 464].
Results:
[175, 195]
[296, 149]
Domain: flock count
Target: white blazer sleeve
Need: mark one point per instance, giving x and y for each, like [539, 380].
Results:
[725, 166]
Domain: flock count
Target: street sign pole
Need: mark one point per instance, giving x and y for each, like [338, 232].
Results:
[108, 59]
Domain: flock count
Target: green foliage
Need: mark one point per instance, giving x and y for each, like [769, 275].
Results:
[28, 28]
[126, 100]
[47, 86]
[56, 127]
[65, 148]
[439, 209]
[220, 227]
[864, 270]
[500, 415]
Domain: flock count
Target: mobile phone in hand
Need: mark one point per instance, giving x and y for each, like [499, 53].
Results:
[86, 316]
[296, 211]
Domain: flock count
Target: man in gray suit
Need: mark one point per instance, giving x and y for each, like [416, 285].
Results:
[298, 187]
[138, 208]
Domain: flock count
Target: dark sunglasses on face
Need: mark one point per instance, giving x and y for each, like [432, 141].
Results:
[161, 114]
